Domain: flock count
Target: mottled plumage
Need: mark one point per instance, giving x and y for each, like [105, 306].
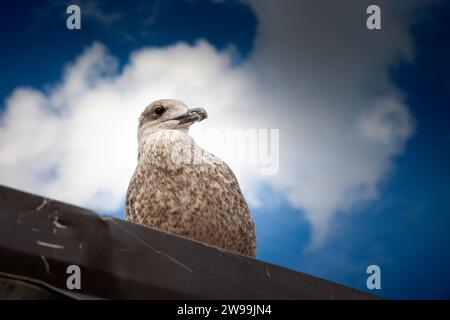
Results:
[180, 188]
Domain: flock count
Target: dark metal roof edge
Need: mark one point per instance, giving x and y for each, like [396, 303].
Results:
[134, 261]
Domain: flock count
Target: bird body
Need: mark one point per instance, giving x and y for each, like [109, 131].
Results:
[182, 189]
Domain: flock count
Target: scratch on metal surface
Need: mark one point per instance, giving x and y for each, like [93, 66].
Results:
[45, 201]
[266, 270]
[268, 273]
[243, 259]
[47, 266]
[58, 224]
[50, 245]
[148, 245]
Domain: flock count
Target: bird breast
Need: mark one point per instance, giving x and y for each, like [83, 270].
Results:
[169, 150]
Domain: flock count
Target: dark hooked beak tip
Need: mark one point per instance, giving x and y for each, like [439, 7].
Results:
[200, 113]
[192, 115]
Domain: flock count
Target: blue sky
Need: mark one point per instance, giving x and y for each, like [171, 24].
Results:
[402, 224]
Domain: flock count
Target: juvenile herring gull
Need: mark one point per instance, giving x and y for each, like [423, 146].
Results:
[182, 189]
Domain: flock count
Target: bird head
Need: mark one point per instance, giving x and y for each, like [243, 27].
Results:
[168, 114]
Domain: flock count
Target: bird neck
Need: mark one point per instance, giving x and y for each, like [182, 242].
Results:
[148, 131]
[166, 148]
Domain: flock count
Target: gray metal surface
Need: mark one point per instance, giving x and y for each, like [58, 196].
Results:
[40, 238]
[11, 289]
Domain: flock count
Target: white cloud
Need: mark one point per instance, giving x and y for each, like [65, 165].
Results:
[316, 74]
[77, 142]
[341, 117]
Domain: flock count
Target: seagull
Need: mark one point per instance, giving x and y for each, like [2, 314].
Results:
[182, 189]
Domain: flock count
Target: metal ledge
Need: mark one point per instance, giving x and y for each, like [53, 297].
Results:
[40, 238]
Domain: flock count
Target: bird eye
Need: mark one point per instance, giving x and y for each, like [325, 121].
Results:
[159, 111]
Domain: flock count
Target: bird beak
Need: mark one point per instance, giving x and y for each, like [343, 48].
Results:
[192, 115]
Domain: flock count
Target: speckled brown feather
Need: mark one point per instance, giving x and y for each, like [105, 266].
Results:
[198, 197]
